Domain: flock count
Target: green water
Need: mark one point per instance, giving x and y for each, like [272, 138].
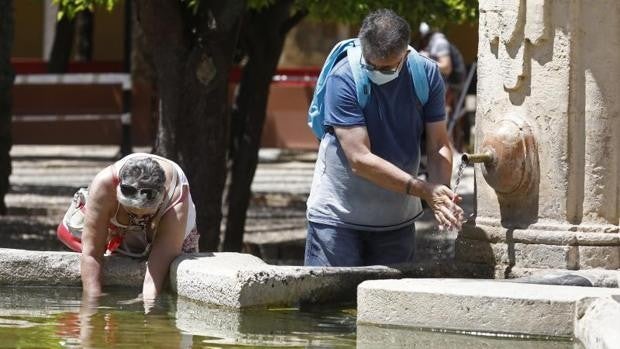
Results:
[57, 318]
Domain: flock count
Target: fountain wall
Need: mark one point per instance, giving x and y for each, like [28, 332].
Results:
[549, 68]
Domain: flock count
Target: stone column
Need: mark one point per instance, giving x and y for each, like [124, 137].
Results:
[553, 67]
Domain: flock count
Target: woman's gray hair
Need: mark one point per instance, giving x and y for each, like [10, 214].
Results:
[383, 35]
[141, 173]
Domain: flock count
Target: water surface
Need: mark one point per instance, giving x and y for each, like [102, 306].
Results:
[52, 317]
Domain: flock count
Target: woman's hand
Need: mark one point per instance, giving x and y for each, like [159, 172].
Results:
[148, 303]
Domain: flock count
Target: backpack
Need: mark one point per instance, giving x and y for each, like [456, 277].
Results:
[352, 49]
[457, 76]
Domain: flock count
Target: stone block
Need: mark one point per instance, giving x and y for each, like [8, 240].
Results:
[242, 280]
[596, 324]
[47, 268]
[606, 257]
[540, 256]
[473, 305]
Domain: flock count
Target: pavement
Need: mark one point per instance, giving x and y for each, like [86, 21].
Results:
[45, 177]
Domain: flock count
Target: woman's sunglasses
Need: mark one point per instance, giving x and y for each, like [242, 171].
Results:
[130, 190]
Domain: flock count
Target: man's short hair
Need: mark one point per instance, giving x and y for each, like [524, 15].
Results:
[141, 173]
[384, 34]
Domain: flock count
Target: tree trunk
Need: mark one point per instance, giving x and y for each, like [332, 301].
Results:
[7, 76]
[143, 76]
[263, 39]
[84, 22]
[192, 54]
[62, 46]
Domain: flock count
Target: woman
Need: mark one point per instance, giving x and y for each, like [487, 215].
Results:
[140, 207]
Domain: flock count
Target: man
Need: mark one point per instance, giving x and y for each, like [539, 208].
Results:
[365, 193]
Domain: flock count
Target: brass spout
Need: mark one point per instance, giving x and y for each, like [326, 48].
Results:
[485, 157]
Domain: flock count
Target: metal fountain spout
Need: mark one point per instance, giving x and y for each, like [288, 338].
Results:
[509, 157]
[486, 157]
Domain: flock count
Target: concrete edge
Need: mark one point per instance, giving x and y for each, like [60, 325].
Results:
[240, 281]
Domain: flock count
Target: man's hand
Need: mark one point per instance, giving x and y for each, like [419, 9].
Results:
[444, 204]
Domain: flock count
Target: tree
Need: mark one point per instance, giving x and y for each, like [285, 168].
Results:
[7, 25]
[62, 46]
[262, 40]
[84, 26]
[265, 28]
[192, 49]
[78, 28]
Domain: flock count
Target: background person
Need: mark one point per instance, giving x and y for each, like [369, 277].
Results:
[436, 46]
[365, 192]
[140, 207]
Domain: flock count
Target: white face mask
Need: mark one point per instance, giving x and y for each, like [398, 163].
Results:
[380, 78]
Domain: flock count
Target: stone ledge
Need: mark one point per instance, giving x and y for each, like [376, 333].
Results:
[535, 255]
[241, 280]
[473, 305]
[46, 268]
[543, 234]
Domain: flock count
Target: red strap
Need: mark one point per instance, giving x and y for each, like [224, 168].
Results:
[114, 243]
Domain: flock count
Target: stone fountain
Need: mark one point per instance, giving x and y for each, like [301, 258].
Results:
[547, 189]
[548, 137]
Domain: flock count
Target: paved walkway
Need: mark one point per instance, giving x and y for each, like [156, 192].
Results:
[45, 177]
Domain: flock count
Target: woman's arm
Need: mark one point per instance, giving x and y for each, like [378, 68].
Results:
[166, 247]
[100, 202]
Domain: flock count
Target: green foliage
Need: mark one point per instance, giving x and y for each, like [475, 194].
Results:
[434, 12]
[70, 8]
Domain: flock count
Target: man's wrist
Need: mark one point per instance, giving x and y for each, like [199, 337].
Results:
[409, 186]
[417, 187]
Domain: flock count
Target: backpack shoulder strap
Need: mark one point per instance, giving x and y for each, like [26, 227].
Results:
[362, 85]
[416, 66]
[316, 110]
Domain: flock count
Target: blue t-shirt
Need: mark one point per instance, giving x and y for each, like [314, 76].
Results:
[395, 120]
